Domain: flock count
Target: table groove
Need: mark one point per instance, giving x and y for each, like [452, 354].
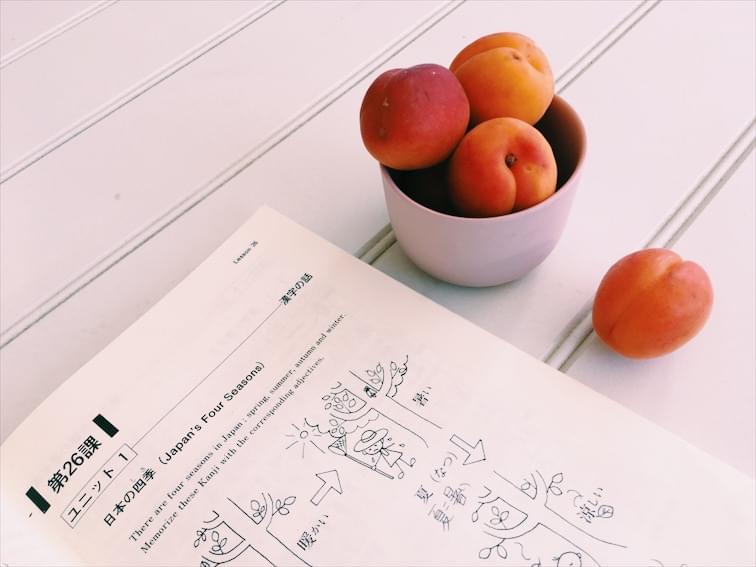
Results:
[218, 181]
[377, 245]
[575, 335]
[56, 31]
[604, 44]
[134, 92]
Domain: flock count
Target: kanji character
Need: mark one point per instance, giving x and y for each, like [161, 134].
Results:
[89, 446]
[57, 481]
[306, 541]
[423, 494]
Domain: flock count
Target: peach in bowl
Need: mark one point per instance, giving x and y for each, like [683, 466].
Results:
[486, 251]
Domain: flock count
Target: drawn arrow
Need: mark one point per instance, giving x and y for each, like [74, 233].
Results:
[474, 454]
[330, 480]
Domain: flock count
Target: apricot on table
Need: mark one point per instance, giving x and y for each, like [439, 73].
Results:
[413, 118]
[500, 166]
[651, 302]
[505, 75]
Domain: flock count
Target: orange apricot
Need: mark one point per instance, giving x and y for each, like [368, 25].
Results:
[500, 166]
[505, 75]
[651, 302]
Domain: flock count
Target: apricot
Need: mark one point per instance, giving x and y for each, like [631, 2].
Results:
[651, 302]
[414, 118]
[505, 75]
[500, 166]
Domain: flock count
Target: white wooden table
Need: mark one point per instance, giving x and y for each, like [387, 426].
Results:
[136, 136]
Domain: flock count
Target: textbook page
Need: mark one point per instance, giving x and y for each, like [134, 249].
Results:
[287, 404]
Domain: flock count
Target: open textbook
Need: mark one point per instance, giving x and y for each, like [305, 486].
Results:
[287, 404]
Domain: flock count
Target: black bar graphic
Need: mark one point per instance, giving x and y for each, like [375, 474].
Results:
[38, 499]
[105, 425]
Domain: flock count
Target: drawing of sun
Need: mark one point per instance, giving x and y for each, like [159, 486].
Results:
[303, 436]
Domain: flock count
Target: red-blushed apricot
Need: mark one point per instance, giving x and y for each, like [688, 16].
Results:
[500, 166]
[651, 302]
[414, 118]
[505, 74]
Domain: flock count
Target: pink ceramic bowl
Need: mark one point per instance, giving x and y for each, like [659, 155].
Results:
[481, 252]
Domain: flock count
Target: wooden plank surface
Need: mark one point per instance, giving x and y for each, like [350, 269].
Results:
[164, 146]
[101, 64]
[25, 24]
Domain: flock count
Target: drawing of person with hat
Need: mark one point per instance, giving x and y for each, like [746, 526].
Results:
[377, 445]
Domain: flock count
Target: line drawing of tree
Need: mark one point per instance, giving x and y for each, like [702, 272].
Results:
[515, 511]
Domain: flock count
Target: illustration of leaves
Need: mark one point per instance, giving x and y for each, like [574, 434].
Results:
[220, 543]
[557, 478]
[555, 490]
[484, 553]
[258, 509]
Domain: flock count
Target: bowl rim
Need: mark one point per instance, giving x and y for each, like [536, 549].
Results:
[565, 188]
